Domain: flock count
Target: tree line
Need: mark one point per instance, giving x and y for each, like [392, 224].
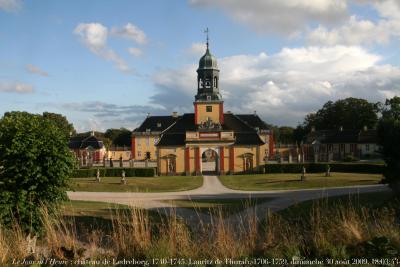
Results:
[350, 113]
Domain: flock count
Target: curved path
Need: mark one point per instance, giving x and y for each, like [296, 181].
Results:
[212, 188]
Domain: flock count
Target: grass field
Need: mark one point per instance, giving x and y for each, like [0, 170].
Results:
[226, 206]
[373, 200]
[258, 182]
[136, 184]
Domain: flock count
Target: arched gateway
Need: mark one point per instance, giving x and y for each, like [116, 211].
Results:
[209, 161]
[207, 141]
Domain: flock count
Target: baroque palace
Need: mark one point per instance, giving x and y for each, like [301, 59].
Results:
[208, 140]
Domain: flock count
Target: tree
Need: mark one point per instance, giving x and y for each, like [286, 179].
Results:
[61, 122]
[389, 139]
[286, 135]
[349, 113]
[35, 166]
[119, 137]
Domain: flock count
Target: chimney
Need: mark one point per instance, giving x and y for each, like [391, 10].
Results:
[341, 128]
[148, 114]
[174, 114]
[92, 133]
[365, 128]
[229, 112]
[255, 112]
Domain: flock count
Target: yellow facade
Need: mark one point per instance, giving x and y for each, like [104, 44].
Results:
[208, 111]
[144, 144]
[245, 157]
[117, 154]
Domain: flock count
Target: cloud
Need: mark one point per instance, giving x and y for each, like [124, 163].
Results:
[10, 5]
[16, 87]
[106, 115]
[282, 87]
[130, 32]
[361, 31]
[285, 86]
[197, 49]
[356, 32]
[36, 70]
[281, 16]
[134, 51]
[94, 37]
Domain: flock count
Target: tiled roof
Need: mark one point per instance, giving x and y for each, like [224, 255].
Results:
[156, 123]
[82, 142]
[244, 134]
[254, 121]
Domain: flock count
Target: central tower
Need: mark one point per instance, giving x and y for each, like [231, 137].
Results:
[208, 104]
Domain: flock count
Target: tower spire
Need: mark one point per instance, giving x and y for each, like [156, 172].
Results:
[206, 32]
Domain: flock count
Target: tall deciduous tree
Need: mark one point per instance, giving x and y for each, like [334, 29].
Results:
[61, 122]
[119, 137]
[389, 139]
[349, 113]
[35, 164]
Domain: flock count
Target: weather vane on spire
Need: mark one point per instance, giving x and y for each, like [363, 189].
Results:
[206, 32]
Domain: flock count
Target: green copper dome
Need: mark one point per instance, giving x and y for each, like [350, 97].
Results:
[208, 61]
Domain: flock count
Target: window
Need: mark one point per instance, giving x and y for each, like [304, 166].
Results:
[367, 147]
[147, 141]
[139, 153]
[159, 124]
[208, 97]
[155, 140]
[209, 108]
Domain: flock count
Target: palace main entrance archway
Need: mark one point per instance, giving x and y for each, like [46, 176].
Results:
[209, 161]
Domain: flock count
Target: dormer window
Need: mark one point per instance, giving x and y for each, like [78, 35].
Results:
[159, 124]
[208, 97]
[148, 130]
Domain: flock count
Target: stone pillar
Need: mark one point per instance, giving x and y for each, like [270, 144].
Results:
[258, 163]
[231, 160]
[222, 160]
[197, 160]
[187, 161]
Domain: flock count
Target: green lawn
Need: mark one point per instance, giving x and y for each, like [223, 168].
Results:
[93, 215]
[91, 208]
[227, 206]
[292, 181]
[375, 200]
[137, 184]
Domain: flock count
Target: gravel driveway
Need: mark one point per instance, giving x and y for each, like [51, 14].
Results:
[212, 188]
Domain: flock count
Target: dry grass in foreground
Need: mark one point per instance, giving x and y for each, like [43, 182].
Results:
[338, 232]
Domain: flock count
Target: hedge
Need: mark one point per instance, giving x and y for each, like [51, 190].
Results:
[114, 172]
[321, 167]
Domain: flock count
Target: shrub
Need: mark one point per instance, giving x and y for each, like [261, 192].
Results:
[321, 167]
[35, 166]
[114, 172]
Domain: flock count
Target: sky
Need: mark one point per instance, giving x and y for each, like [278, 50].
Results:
[107, 64]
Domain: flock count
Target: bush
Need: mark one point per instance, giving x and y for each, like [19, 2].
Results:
[35, 166]
[321, 167]
[114, 172]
